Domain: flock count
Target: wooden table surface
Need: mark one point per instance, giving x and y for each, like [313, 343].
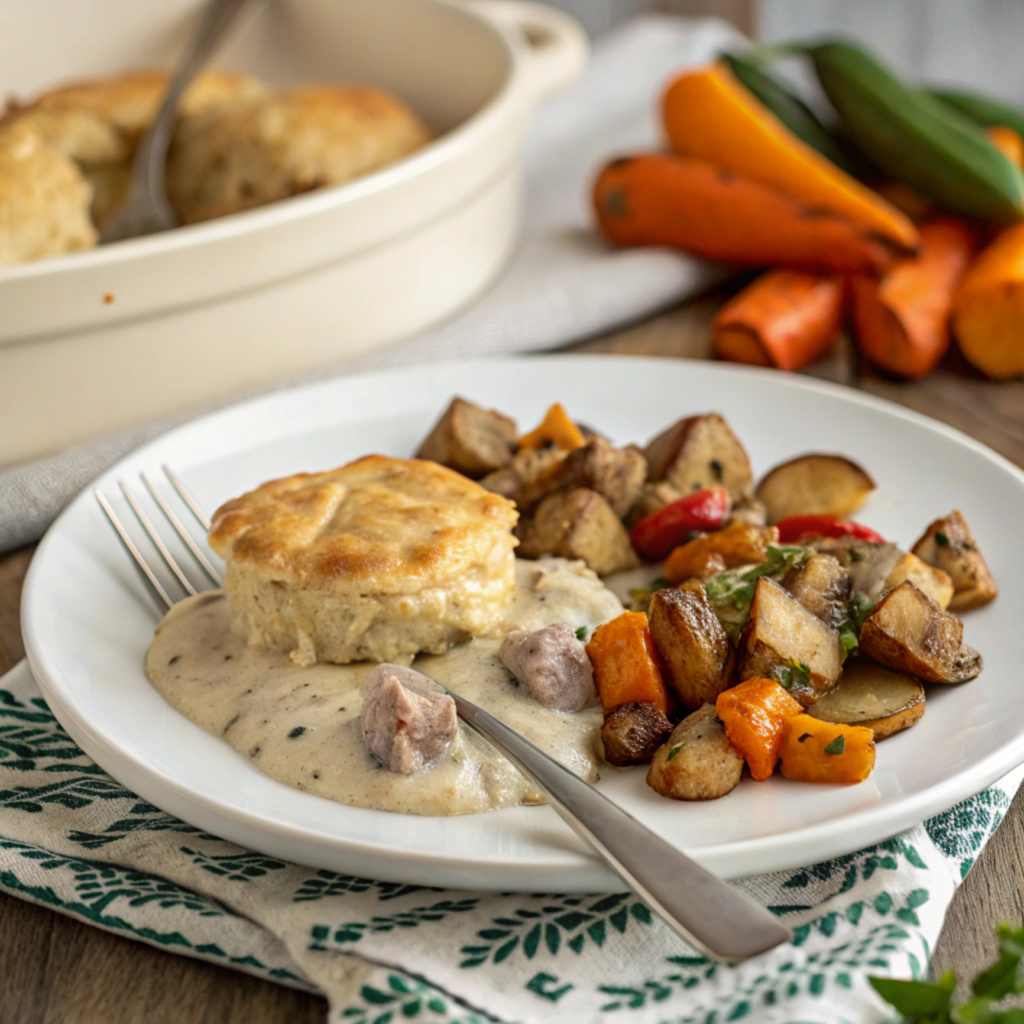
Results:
[54, 969]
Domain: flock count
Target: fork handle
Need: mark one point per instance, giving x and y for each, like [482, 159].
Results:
[710, 914]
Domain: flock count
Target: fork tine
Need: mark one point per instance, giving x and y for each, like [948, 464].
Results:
[180, 530]
[183, 492]
[144, 522]
[153, 585]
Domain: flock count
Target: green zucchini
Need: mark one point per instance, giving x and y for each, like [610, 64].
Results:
[916, 138]
[982, 109]
[789, 109]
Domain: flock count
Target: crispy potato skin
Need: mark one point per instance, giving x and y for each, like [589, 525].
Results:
[471, 440]
[696, 650]
[632, 733]
[822, 586]
[704, 765]
[867, 694]
[578, 523]
[973, 584]
[699, 452]
[781, 632]
[909, 632]
[827, 485]
[930, 580]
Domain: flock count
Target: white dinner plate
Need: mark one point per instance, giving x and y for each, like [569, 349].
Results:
[88, 622]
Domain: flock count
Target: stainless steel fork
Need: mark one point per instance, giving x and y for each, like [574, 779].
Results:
[710, 914]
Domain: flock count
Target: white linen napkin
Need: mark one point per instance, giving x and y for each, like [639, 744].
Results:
[74, 840]
[563, 284]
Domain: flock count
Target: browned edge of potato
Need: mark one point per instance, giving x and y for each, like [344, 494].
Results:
[867, 694]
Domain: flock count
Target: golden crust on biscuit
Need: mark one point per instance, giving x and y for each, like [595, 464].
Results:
[379, 559]
[241, 155]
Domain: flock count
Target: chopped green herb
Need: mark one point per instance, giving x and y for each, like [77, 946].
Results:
[856, 555]
[806, 736]
[941, 538]
[675, 750]
[716, 468]
[794, 676]
[581, 633]
[837, 746]
[848, 638]
[731, 592]
[861, 607]
[641, 596]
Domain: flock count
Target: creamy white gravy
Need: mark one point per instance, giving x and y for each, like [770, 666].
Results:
[301, 725]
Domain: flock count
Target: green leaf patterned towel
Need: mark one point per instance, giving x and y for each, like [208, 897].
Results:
[73, 839]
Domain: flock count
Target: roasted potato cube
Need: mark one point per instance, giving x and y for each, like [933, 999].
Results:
[695, 648]
[633, 732]
[868, 564]
[822, 586]
[697, 762]
[653, 498]
[711, 553]
[469, 439]
[949, 544]
[783, 641]
[909, 632]
[528, 478]
[867, 694]
[814, 485]
[927, 578]
[578, 523]
[699, 452]
[617, 474]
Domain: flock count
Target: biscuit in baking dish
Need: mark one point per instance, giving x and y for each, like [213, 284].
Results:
[44, 200]
[380, 559]
[245, 154]
[98, 122]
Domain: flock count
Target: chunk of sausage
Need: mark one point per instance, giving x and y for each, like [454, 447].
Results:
[633, 732]
[406, 719]
[697, 762]
[553, 664]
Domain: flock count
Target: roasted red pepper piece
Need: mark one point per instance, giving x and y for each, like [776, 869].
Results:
[657, 534]
[795, 528]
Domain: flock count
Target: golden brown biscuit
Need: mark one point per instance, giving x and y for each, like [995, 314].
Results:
[244, 154]
[379, 559]
[44, 199]
[98, 123]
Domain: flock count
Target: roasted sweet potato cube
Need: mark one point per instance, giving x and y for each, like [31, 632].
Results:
[783, 641]
[816, 751]
[578, 523]
[822, 586]
[929, 579]
[710, 553]
[617, 474]
[699, 452]
[627, 667]
[695, 648]
[697, 762]
[949, 544]
[754, 714]
[909, 632]
[471, 440]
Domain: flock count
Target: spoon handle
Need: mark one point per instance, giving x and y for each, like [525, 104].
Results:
[710, 914]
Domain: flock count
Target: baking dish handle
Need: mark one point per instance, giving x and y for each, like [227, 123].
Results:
[553, 46]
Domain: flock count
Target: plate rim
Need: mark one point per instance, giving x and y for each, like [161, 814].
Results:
[581, 870]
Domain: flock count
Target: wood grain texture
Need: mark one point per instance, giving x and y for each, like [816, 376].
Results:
[55, 970]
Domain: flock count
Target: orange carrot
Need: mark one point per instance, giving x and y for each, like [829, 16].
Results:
[902, 320]
[988, 309]
[754, 714]
[653, 199]
[710, 116]
[817, 751]
[785, 318]
[557, 429]
[627, 666]
[710, 553]
[1008, 142]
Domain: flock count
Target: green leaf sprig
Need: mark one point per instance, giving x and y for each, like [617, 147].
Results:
[925, 1002]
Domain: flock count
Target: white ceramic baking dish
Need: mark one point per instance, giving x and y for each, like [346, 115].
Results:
[118, 335]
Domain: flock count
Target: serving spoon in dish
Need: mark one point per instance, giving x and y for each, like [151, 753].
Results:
[710, 914]
[146, 209]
